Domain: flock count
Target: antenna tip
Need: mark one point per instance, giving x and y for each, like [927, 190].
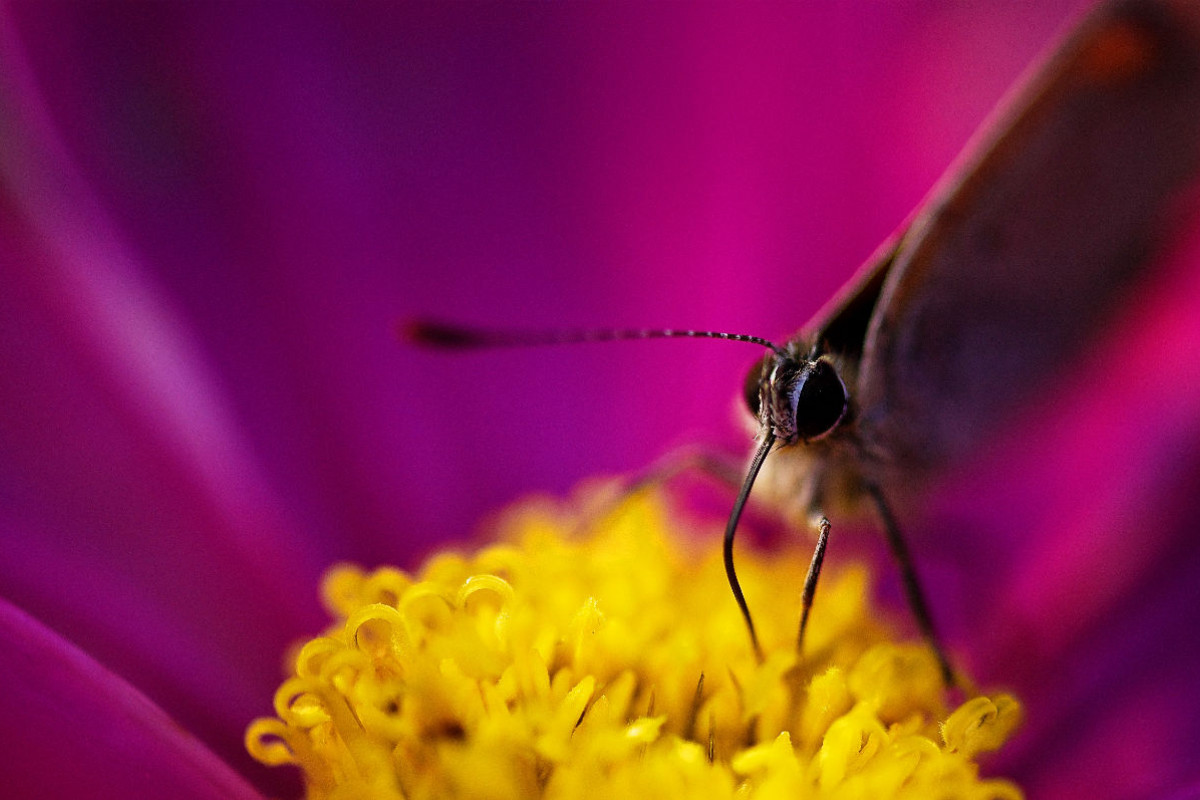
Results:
[428, 333]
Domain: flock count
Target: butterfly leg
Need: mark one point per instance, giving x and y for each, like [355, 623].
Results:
[720, 466]
[810, 580]
[713, 464]
[912, 586]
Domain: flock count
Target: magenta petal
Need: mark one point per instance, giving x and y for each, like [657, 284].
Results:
[136, 520]
[71, 728]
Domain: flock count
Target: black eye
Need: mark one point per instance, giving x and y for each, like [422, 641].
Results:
[819, 398]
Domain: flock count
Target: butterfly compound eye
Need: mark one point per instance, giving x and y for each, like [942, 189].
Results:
[819, 400]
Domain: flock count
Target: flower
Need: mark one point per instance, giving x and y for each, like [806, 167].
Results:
[604, 666]
[210, 223]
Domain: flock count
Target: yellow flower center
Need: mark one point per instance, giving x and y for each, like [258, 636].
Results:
[583, 658]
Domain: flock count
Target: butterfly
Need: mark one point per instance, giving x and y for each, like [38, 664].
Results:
[1058, 207]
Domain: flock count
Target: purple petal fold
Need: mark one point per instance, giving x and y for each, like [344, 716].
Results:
[71, 728]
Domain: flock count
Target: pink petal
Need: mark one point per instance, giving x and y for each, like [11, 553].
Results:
[71, 728]
[135, 517]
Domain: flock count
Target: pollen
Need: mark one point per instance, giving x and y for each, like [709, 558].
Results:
[585, 655]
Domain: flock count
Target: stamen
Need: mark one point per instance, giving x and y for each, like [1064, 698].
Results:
[574, 674]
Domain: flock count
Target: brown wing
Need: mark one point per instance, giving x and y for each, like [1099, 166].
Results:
[1020, 252]
[841, 324]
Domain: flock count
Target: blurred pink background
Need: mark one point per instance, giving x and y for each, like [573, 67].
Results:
[214, 216]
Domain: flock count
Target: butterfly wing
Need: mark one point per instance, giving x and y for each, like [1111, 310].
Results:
[1024, 247]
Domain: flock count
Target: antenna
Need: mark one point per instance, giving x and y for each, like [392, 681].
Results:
[431, 333]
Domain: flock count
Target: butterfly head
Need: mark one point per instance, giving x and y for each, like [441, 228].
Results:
[797, 394]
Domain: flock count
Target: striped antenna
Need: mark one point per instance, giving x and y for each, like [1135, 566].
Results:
[439, 334]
